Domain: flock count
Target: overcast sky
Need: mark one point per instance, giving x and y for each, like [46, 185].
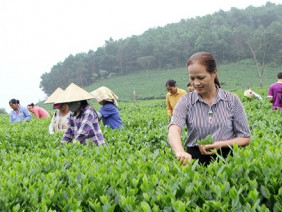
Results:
[37, 34]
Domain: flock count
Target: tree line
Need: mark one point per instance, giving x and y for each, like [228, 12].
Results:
[254, 32]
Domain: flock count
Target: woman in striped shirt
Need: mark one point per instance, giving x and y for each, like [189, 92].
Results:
[208, 110]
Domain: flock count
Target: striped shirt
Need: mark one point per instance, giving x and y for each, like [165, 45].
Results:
[84, 126]
[225, 119]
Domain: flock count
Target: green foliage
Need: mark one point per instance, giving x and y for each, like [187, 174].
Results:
[207, 140]
[138, 171]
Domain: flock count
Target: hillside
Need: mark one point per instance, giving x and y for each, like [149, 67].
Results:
[151, 84]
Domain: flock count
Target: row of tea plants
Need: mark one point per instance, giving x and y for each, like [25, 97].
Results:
[137, 170]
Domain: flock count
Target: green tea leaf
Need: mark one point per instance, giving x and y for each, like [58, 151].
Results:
[206, 141]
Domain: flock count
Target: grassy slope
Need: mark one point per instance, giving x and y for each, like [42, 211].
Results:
[150, 85]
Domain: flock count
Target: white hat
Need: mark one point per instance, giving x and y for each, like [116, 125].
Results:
[54, 95]
[73, 93]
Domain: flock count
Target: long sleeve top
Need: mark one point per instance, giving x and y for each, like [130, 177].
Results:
[83, 126]
[110, 116]
[22, 115]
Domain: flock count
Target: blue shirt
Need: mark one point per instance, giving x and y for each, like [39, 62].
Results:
[22, 115]
[110, 116]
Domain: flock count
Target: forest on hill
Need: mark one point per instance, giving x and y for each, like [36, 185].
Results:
[251, 33]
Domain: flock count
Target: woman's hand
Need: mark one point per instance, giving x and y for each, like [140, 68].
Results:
[209, 149]
[174, 139]
[184, 157]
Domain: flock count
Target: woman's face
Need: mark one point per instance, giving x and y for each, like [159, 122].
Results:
[201, 80]
[190, 88]
[171, 89]
[63, 108]
[29, 108]
[13, 106]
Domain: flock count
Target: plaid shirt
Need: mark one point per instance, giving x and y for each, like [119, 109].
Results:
[84, 126]
[225, 119]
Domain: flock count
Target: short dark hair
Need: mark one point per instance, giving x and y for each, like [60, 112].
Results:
[14, 101]
[189, 84]
[32, 105]
[279, 75]
[171, 83]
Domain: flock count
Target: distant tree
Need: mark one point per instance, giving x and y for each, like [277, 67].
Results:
[130, 54]
[274, 33]
[45, 83]
[103, 74]
[264, 44]
[110, 60]
[3, 111]
[258, 46]
[145, 61]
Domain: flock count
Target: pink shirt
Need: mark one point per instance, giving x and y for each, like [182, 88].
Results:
[40, 112]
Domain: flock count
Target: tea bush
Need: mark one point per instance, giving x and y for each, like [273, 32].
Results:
[137, 170]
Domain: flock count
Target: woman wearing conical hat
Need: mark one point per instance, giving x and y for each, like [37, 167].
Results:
[108, 113]
[60, 119]
[83, 123]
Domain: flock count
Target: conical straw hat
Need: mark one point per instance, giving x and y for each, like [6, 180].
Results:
[73, 93]
[54, 95]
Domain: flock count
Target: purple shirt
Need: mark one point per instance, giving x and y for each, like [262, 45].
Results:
[225, 119]
[275, 91]
[84, 126]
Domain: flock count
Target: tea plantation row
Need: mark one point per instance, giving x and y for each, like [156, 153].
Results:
[137, 171]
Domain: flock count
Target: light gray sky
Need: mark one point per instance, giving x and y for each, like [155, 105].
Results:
[37, 34]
